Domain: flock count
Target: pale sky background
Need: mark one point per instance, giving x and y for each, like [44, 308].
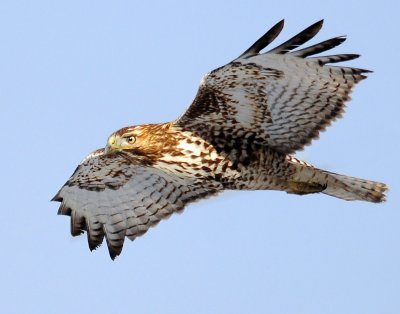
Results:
[72, 72]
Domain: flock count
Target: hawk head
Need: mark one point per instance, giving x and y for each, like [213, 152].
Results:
[123, 139]
[147, 142]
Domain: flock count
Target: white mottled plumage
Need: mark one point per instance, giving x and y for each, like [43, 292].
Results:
[246, 119]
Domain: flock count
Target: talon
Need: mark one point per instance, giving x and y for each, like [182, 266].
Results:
[302, 188]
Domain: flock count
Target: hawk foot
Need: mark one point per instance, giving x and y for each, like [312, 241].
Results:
[302, 188]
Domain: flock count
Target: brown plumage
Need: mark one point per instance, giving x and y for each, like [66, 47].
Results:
[246, 120]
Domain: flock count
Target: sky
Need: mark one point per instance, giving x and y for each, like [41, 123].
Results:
[72, 72]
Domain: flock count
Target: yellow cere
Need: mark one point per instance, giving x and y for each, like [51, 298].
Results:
[111, 140]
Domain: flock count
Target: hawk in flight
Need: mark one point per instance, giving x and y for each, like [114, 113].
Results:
[247, 119]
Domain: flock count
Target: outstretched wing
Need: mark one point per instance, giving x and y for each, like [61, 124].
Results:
[113, 196]
[280, 98]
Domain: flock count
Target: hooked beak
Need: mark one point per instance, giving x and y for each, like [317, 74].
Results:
[112, 144]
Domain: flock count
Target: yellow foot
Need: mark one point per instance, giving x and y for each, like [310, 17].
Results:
[301, 188]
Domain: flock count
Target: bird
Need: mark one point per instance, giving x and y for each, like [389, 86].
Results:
[241, 131]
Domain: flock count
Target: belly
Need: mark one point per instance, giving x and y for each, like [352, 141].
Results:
[259, 168]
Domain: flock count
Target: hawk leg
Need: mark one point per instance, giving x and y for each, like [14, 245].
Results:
[302, 188]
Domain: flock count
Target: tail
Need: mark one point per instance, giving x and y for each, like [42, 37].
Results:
[308, 179]
[352, 189]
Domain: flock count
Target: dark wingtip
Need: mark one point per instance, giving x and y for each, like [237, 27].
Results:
[298, 39]
[279, 25]
[317, 25]
[77, 224]
[92, 244]
[114, 251]
[335, 58]
[320, 47]
[113, 255]
[95, 234]
[64, 210]
[115, 242]
[264, 40]
[57, 198]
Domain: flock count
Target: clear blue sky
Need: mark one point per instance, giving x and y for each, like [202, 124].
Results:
[71, 72]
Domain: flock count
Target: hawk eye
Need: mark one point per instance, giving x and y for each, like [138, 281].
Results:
[131, 139]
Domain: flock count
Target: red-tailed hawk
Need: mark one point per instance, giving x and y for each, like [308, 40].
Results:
[246, 120]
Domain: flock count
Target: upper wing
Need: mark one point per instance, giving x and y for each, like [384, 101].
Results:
[114, 196]
[280, 98]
